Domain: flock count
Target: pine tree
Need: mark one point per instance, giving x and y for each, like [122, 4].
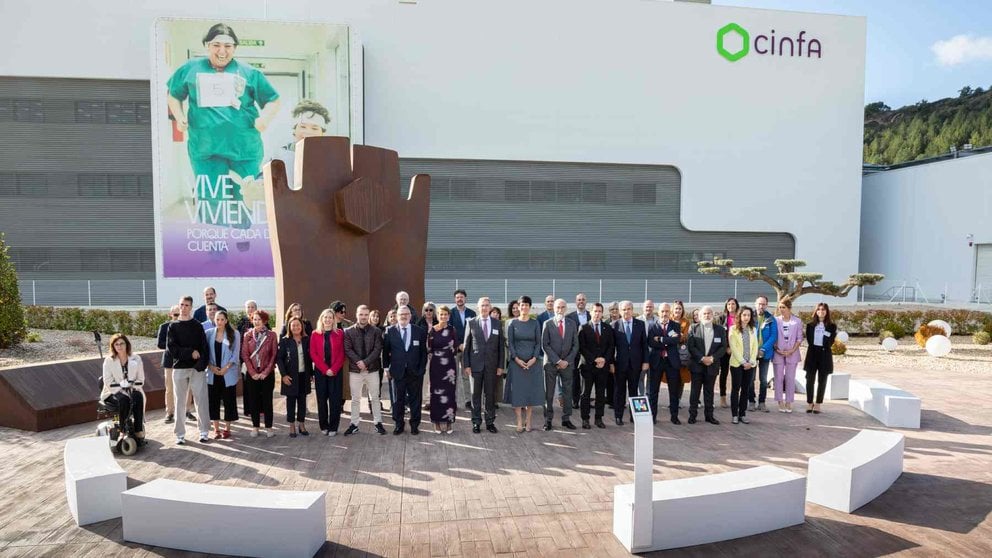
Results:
[12, 325]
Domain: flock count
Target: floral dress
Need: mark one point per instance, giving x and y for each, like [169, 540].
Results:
[442, 370]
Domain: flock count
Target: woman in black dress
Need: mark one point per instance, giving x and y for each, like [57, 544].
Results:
[441, 344]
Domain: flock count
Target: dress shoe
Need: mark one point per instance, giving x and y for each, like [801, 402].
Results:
[491, 428]
[468, 405]
[712, 420]
[351, 430]
[568, 424]
[476, 428]
[692, 420]
[192, 417]
[751, 406]
[675, 420]
[619, 421]
[414, 430]
[547, 426]
[599, 423]
[585, 425]
[169, 419]
[398, 430]
[378, 428]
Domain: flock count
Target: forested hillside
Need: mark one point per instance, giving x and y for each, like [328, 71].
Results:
[927, 129]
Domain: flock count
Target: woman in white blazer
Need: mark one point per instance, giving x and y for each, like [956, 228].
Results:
[123, 377]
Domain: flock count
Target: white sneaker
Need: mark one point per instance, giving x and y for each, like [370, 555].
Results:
[269, 433]
[332, 432]
[253, 433]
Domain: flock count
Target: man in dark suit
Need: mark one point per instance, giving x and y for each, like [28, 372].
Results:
[549, 311]
[631, 357]
[707, 344]
[663, 342]
[209, 297]
[596, 345]
[404, 357]
[560, 342]
[460, 315]
[581, 317]
[483, 361]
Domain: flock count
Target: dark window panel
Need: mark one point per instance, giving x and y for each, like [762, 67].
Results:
[593, 192]
[28, 110]
[645, 194]
[517, 191]
[569, 192]
[93, 185]
[32, 184]
[91, 112]
[120, 112]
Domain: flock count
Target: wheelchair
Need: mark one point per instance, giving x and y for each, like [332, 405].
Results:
[123, 441]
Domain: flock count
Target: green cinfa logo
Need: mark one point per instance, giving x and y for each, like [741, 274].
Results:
[733, 42]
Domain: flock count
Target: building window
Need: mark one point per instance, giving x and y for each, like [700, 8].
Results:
[645, 194]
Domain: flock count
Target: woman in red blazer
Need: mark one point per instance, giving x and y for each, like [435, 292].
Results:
[258, 351]
[327, 353]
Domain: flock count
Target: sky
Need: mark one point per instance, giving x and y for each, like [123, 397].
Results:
[916, 49]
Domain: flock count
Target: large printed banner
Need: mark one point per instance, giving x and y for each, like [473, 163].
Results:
[233, 95]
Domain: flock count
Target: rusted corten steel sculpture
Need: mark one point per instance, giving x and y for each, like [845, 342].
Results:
[345, 234]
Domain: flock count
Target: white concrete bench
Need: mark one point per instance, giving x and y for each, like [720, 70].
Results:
[719, 507]
[225, 519]
[892, 406]
[855, 472]
[838, 384]
[93, 480]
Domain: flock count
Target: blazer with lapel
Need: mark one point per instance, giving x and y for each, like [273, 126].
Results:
[483, 354]
[574, 316]
[697, 348]
[630, 356]
[398, 359]
[458, 324]
[662, 339]
[557, 347]
[592, 348]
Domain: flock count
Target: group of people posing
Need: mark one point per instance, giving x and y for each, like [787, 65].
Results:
[590, 358]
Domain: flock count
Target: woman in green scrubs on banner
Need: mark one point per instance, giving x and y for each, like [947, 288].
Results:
[223, 119]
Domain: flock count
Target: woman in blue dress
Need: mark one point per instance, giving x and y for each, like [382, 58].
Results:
[525, 376]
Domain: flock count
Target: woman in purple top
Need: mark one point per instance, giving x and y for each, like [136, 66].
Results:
[787, 357]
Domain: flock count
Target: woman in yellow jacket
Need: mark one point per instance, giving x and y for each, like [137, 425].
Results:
[743, 362]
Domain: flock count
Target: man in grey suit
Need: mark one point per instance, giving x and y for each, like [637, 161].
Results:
[483, 361]
[560, 341]
[580, 316]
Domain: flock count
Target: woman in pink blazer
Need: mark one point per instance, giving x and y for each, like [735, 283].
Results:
[258, 351]
[787, 357]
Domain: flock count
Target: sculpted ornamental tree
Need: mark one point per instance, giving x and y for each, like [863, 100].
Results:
[788, 283]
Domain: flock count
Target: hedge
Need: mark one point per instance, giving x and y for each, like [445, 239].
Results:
[142, 323]
[867, 322]
[12, 320]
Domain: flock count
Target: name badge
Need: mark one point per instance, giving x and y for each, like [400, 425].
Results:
[494, 333]
[416, 343]
[673, 334]
[717, 340]
[827, 333]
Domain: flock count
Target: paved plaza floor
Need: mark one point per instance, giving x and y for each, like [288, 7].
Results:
[541, 493]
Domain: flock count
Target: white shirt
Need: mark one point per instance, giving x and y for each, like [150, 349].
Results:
[818, 332]
[405, 332]
[583, 318]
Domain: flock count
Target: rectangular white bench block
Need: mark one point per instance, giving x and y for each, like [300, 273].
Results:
[714, 508]
[838, 384]
[892, 406]
[856, 472]
[93, 480]
[225, 519]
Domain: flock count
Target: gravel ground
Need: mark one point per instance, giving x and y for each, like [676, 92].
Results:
[965, 356]
[64, 345]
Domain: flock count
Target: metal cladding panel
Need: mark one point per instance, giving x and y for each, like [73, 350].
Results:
[519, 218]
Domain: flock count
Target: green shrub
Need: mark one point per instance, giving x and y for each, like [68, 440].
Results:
[838, 348]
[33, 337]
[143, 323]
[884, 334]
[981, 338]
[13, 327]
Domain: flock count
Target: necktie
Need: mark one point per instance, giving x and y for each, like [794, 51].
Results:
[664, 349]
[626, 327]
[561, 328]
[403, 337]
[485, 329]
[597, 332]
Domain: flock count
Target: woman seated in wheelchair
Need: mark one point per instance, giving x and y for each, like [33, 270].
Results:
[123, 376]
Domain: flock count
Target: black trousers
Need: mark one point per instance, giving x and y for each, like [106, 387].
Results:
[296, 408]
[258, 394]
[817, 376]
[408, 392]
[598, 379]
[245, 403]
[741, 384]
[654, 387]
[134, 405]
[484, 393]
[724, 371]
[673, 376]
[219, 392]
[576, 384]
[330, 390]
[624, 382]
[704, 381]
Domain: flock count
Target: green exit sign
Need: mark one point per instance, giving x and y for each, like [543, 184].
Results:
[258, 65]
[252, 42]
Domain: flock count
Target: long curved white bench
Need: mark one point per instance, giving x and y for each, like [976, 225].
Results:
[93, 480]
[719, 507]
[225, 519]
[892, 406]
[855, 472]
